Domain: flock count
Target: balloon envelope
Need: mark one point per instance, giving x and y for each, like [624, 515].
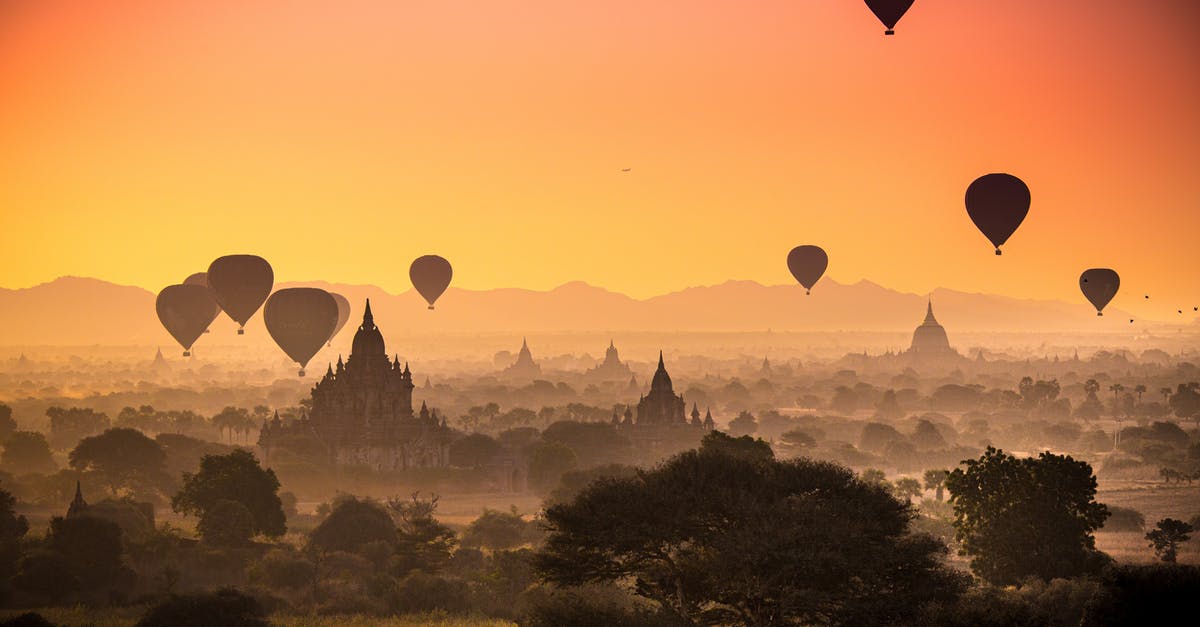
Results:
[185, 311]
[300, 320]
[807, 264]
[343, 305]
[1099, 285]
[431, 276]
[997, 204]
[240, 283]
[889, 12]
[201, 278]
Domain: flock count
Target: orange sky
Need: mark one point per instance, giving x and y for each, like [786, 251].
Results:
[141, 139]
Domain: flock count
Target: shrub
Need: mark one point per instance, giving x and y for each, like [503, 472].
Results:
[1124, 519]
[227, 607]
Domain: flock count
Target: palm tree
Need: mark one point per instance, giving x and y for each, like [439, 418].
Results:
[1117, 388]
[1139, 389]
[1166, 394]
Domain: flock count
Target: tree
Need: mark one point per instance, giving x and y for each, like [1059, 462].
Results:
[1185, 402]
[745, 447]
[845, 400]
[68, 426]
[226, 523]
[12, 528]
[352, 524]
[27, 452]
[935, 479]
[123, 458]
[497, 530]
[422, 543]
[473, 451]
[718, 539]
[1166, 537]
[232, 419]
[547, 463]
[1030, 517]
[236, 476]
[906, 488]
[888, 407]
[743, 424]
[7, 425]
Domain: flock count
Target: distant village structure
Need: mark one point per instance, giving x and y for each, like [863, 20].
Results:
[662, 416]
[362, 412]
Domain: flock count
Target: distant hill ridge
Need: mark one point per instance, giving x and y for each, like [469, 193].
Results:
[83, 311]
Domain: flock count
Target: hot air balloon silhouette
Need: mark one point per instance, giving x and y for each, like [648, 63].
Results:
[185, 311]
[343, 305]
[201, 278]
[997, 204]
[807, 263]
[889, 12]
[240, 283]
[431, 275]
[1099, 285]
[300, 320]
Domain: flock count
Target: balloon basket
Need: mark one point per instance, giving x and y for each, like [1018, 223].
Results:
[808, 292]
[241, 331]
[431, 307]
[1099, 313]
[889, 32]
[187, 353]
[302, 372]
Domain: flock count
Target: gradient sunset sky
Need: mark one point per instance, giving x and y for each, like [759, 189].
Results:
[141, 139]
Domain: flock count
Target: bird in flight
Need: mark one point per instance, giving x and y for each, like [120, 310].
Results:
[626, 169]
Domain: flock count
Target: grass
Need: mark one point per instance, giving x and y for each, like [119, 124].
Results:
[126, 616]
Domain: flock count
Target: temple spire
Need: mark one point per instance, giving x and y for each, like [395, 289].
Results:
[929, 319]
[368, 319]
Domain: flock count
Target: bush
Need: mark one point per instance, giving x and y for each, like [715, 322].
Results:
[422, 592]
[28, 619]
[590, 606]
[227, 607]
[1124, 519]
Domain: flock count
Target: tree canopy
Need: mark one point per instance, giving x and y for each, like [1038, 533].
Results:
[351, 524]
[719, 535]
[238, 477]
[1026, 517]
[122, 457]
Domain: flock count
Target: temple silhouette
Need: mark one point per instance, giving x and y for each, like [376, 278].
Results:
[611, 369]
[661, 420]
[362, 412]
[524, 368]
[930, 339]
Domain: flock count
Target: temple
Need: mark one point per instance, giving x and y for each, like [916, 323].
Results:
[524, 367]
[611, 369]
[929, 339]
[662, 423]
[362, 412]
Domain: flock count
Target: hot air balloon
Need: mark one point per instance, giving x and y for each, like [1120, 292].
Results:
[201, 278]
[997, 204]
[185, 311]
[343, 305]
[431, 276]
[1099, 285]
[889, 12]
[300, 320]
[240, 283]
[807, 264]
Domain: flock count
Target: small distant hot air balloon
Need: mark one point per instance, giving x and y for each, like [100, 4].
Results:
[201, 278]
[431, 275]
[300, 320]
[807, 263]
[889, 12]
[185, 311]
[343, 305]
[997, 204]
[240, 283]
[1099, 285]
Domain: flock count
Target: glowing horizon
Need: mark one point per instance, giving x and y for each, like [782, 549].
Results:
[137, 144]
